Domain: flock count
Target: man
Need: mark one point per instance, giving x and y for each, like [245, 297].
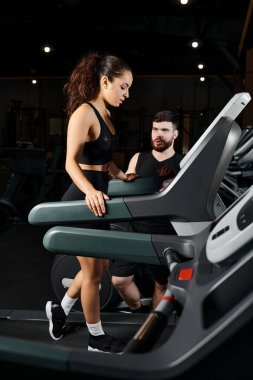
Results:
[161, 163]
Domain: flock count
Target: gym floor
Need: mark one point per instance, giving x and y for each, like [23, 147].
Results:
[25, 268]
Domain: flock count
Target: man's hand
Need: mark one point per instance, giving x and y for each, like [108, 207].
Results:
[130, 177]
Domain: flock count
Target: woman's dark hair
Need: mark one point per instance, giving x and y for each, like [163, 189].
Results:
[84, 82]
[167, 116]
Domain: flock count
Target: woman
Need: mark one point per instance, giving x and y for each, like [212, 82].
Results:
[97, 81]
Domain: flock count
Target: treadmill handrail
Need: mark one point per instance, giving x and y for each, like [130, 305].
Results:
[232, 109]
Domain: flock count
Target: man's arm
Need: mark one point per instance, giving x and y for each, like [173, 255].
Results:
[132, 164]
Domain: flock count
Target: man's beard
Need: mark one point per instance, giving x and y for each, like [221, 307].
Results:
[161, 148]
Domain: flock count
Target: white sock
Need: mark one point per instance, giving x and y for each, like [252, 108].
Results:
[95, 328]
[67, 303]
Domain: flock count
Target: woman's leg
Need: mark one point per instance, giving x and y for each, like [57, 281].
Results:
[57, 312]
[92, 271]
[74, 291]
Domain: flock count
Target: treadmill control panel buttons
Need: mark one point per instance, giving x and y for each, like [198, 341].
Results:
[245, 216]
[220, 232]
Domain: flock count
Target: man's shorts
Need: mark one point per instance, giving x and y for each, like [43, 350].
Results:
[159, 273]
[125, 268]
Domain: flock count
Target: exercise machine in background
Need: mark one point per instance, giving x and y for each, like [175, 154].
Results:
[33, 179]
[239, 175]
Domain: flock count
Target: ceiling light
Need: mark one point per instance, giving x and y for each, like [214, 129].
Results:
[47, 49]
[195, 44]
[200, 66]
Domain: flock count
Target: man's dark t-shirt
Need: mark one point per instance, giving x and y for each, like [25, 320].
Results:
[148, 166]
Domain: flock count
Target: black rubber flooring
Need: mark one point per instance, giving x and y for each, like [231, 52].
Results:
[25, 268]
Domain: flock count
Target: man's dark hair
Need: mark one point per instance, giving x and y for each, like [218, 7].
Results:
[167, 116]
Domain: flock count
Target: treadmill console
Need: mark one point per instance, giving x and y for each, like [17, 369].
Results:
[245, 216]
[233, 230]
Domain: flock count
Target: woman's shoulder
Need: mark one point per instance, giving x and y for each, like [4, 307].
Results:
[83, 111]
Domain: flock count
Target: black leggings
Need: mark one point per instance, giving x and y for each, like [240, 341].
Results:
[100, 181]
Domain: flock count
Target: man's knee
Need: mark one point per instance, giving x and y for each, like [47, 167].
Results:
[121, 282]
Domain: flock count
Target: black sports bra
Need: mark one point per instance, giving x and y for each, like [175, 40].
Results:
[100, 151]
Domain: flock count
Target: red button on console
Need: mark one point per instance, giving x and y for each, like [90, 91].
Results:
[185, 274]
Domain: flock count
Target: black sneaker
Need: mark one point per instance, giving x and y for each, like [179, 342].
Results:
[105, 343]
[57, 318]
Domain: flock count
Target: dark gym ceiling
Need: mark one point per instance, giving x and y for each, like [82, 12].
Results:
[152, 35]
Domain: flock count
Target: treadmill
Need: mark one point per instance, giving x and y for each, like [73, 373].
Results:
[212, 283]
[160, 362]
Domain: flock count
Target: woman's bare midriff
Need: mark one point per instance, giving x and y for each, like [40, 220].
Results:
[99, 168]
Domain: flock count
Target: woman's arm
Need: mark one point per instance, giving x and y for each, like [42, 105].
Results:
[79, 131]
